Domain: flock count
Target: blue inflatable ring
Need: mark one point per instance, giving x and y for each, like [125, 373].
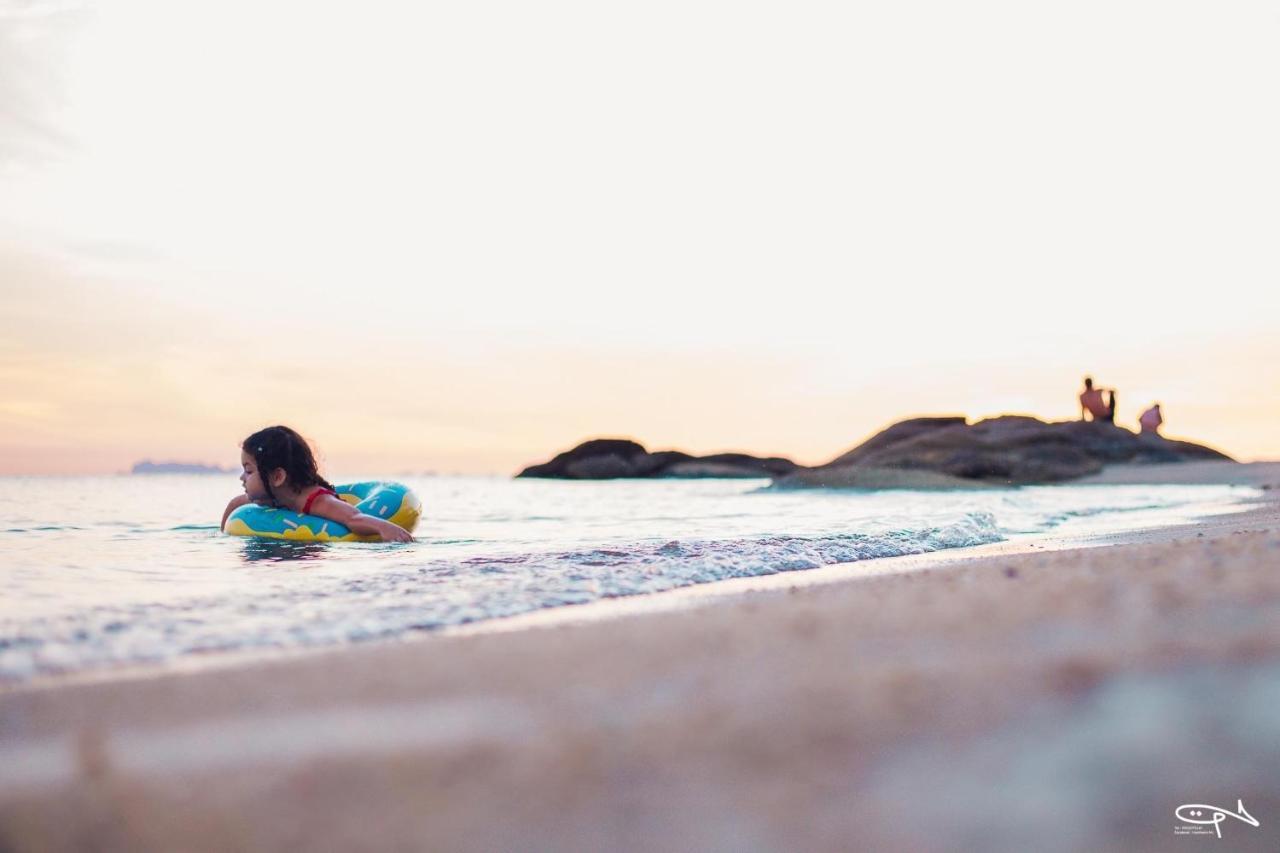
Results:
[392, 502]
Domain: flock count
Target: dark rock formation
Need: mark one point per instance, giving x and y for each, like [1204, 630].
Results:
[1009, 450]
[901, 431]
[940, 452]
[611, 458]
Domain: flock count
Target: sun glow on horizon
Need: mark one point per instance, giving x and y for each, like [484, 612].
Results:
[463, 238]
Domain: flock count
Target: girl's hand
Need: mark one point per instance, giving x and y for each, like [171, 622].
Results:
[394, 533]
[327, 506]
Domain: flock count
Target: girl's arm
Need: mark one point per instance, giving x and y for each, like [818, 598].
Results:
[236, 502]
[334, 509]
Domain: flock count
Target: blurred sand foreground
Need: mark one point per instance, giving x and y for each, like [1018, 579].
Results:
[1039, 699]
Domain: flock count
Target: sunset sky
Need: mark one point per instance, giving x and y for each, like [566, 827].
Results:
[463, 236]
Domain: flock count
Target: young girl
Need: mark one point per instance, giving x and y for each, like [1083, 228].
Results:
[280, 471]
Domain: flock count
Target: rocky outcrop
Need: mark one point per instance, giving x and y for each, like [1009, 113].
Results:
[866, 477]
[1009, 450]
[611, 458]
[899, 432]
[920, 453]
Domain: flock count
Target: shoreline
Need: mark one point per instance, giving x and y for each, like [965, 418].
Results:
[1118, 679]
[1247, 514]
[1122, 679]
[686, 597]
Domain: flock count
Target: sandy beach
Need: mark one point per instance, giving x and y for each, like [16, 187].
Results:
[1064, 695]
[698, 427]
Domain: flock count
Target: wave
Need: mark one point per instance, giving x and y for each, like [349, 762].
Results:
[703, 561]
[400, 598]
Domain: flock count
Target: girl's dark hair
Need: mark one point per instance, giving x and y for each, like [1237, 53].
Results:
[280, 447]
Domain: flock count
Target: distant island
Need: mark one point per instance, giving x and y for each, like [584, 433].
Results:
[146, 466]
[931, 452]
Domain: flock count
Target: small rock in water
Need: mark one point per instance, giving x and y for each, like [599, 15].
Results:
[1011, 572]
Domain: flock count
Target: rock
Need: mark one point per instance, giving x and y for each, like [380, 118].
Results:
[596, 459]
[774, 466]
[920, 453]
[703, 468]
[610, 458]
[900, 431]
[865, 477]
[1008, 450]
[601, 467]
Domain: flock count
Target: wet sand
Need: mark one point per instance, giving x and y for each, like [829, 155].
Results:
[1062, 696]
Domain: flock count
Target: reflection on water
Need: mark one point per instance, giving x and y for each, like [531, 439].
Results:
[256, 550]
[125, 570]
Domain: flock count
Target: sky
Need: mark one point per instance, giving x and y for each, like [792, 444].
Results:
[461, 237]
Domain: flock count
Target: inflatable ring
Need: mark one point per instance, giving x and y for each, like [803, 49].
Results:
[389, 501]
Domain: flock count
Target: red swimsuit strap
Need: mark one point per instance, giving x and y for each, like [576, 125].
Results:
[306, 508]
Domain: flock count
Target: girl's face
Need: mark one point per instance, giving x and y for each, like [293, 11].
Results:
[251, 479]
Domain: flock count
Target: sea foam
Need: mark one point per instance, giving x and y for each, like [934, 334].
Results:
[87, 586]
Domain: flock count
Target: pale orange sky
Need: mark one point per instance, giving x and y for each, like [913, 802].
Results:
[465, 239]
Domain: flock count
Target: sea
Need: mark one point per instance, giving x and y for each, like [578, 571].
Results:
[112, 572]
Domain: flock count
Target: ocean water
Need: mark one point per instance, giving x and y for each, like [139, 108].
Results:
[120, 570]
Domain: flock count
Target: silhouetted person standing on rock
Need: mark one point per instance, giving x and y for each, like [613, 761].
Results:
[1150, 420]
[1093, 406]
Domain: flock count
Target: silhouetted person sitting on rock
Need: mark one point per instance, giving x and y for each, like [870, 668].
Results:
[1092, 405]
[1150, 420]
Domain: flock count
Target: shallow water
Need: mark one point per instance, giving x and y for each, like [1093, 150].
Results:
[133, 569]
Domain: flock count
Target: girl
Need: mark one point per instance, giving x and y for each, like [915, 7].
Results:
[280, 471]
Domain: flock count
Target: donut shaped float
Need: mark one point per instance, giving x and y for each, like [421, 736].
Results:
[391, 502]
